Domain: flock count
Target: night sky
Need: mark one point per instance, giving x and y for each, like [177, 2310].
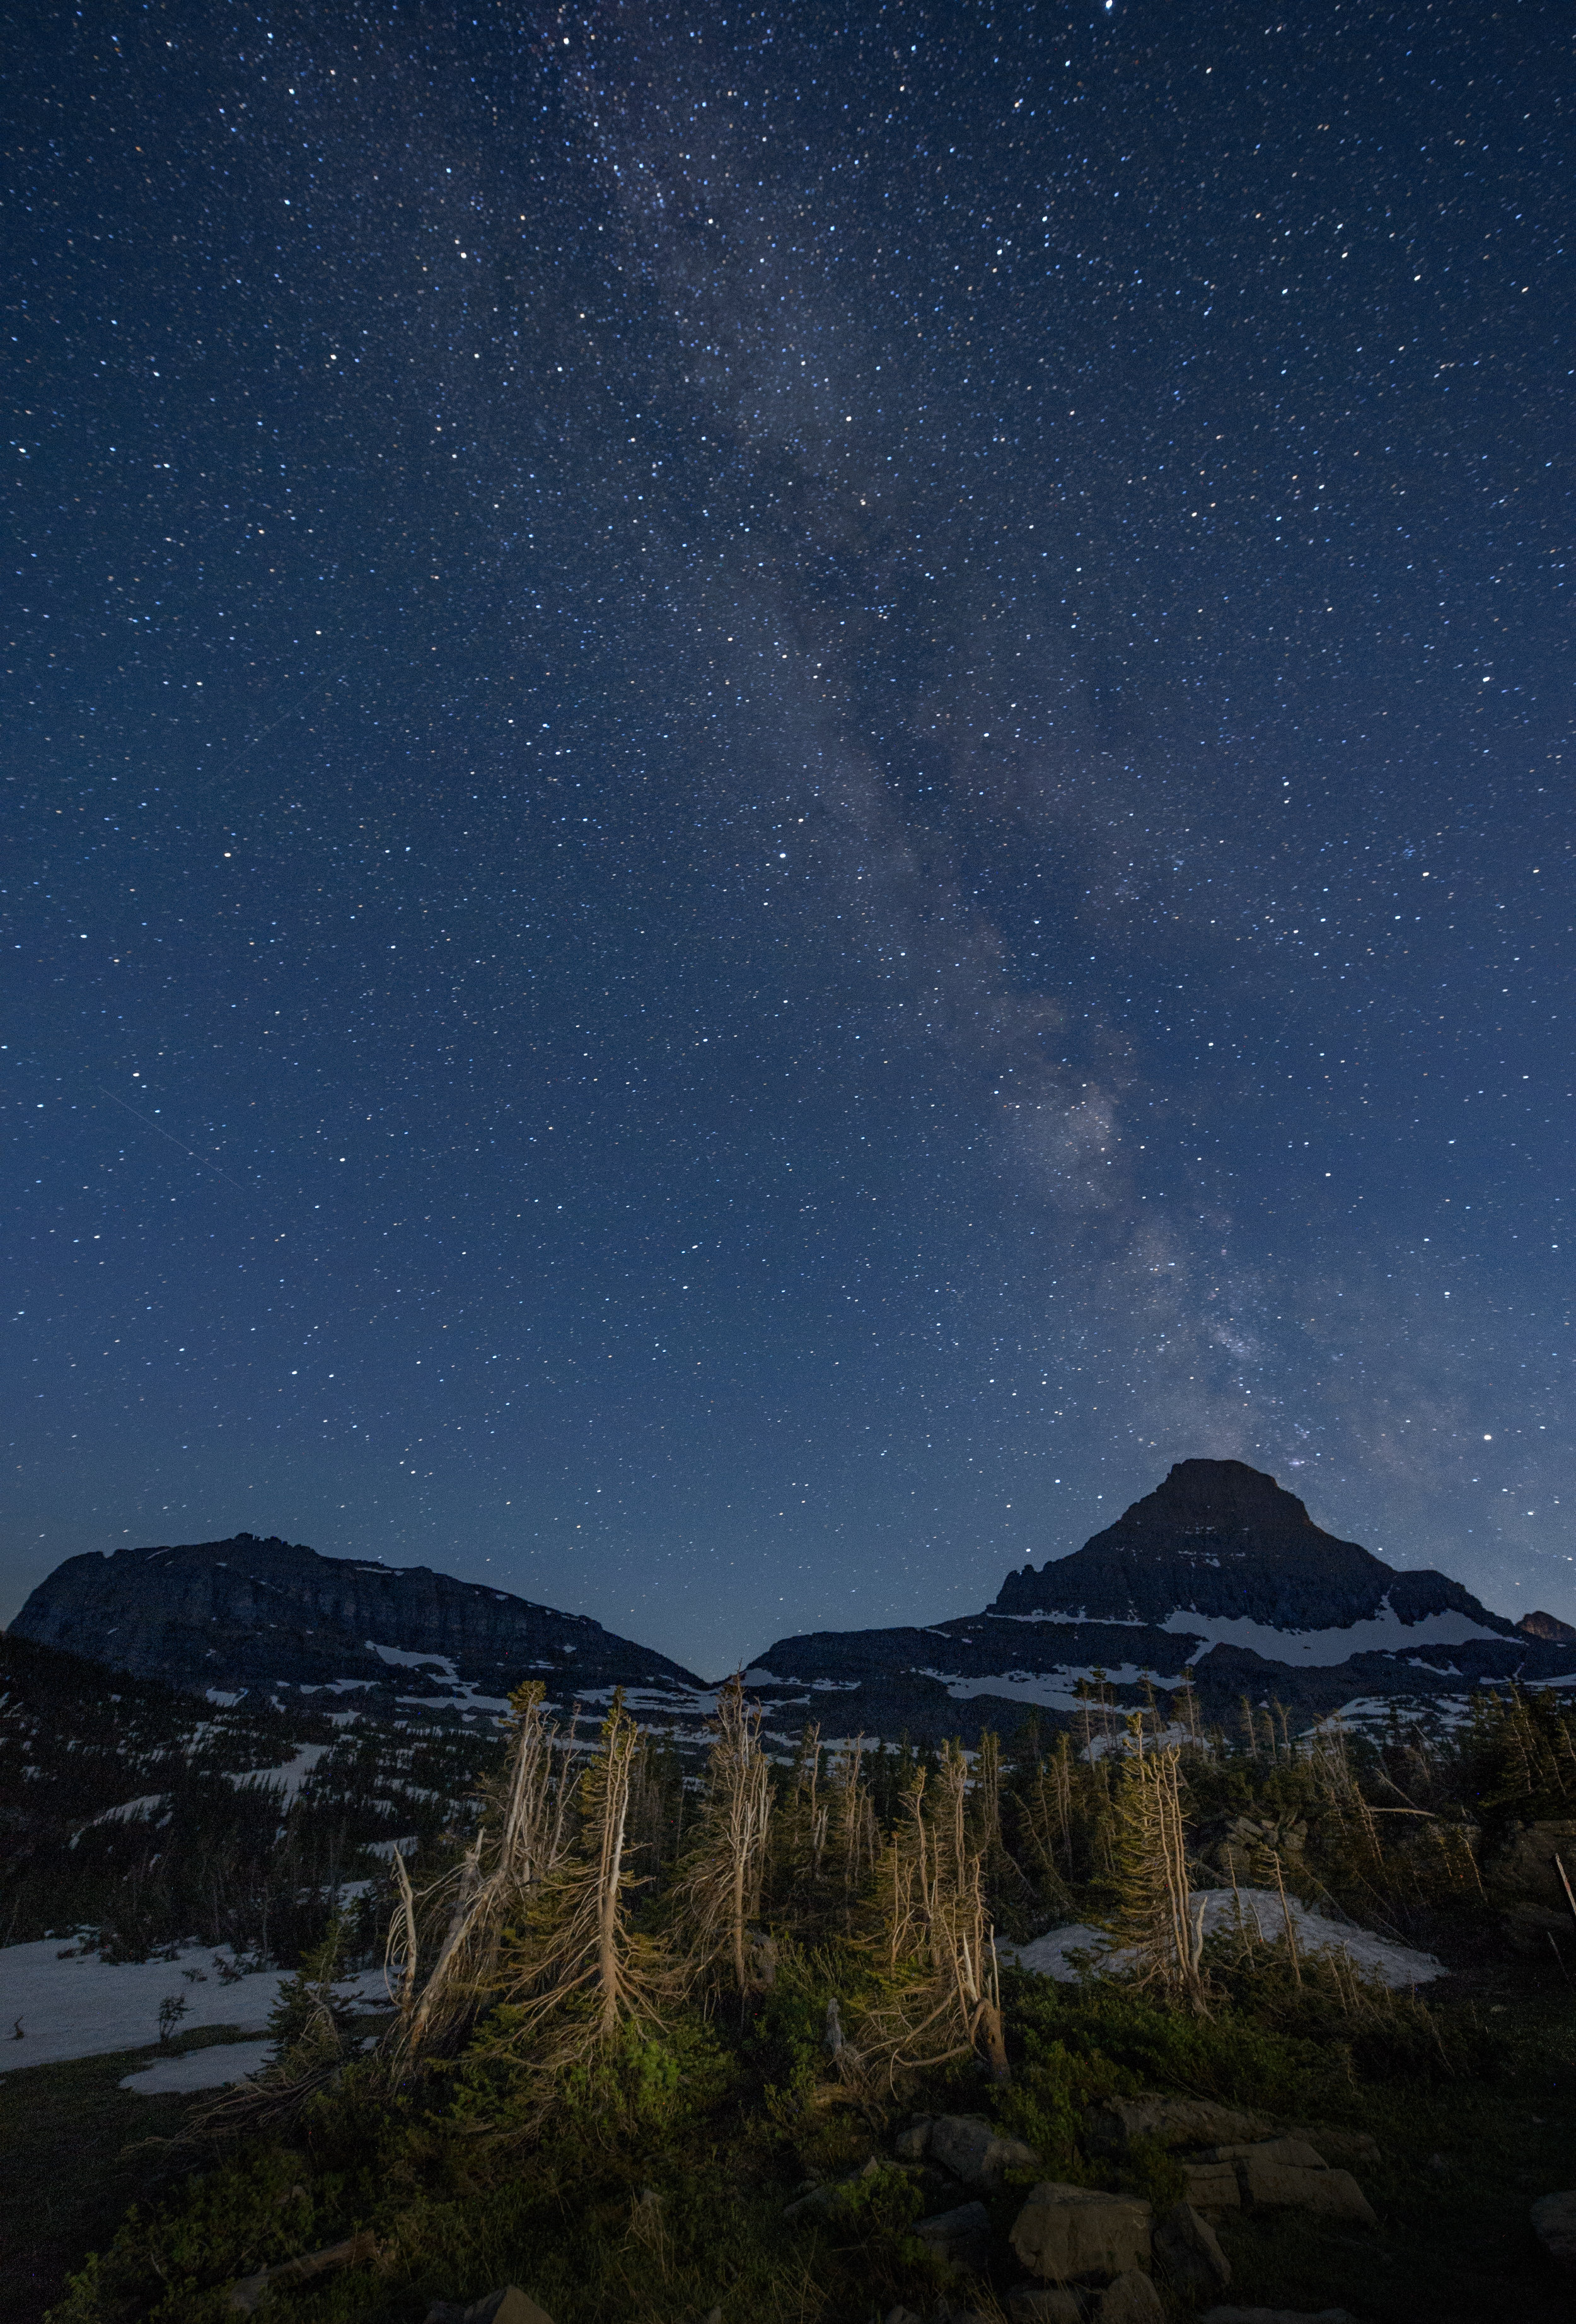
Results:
[781, 789]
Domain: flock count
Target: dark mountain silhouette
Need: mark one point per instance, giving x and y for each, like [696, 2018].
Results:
[256, 1616]
[1220, 1539]
[1547, 1626]
[1218, 1571]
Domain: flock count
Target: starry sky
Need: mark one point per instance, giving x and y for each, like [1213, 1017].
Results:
[782, 789]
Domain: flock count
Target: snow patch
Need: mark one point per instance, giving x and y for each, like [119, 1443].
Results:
[126, 1812]
[81, 2006]
[1053, 1690]
[289, 1778]
[1393, 1964]
[212, 2069]
[1380, 1633]
[1059, 1614]
[403, 1660]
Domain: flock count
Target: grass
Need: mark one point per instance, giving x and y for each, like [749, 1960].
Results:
[76, 2151]
[566, 2219]
[1455, 2242]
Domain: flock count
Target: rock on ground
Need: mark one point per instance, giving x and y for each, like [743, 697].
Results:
[1053, 2305]
[1130, 2298]
[1292, 2186]
[1188, 2249]
[1525, 1868]
[1062, 2232]
[1212, 2186]
[961, 2238]
[1553, 2222]
[1174, 2122]
[973, 2150]
[1288, 2153]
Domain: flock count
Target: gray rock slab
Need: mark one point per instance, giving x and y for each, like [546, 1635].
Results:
[976, 2152]
[961, 2236]
[1113, 2126]
[1051, 2304]
[1129, 2298]
[1065, 2232]
[1189, 2251]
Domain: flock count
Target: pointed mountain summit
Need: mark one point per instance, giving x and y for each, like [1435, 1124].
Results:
[252, 1616]
[1218, 1571]
[1223, 1540]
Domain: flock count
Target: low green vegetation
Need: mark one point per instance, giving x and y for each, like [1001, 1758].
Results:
[655, 2037]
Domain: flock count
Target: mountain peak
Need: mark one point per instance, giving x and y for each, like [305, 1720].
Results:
[1221, 1539]
[1219, 1496]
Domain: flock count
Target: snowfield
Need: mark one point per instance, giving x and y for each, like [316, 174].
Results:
[83, 2007]
[1394, 1965]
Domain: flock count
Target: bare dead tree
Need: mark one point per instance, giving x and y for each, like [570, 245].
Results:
[1155, 1914]
[944, 1994]
[582, 1974]
[523, 1836]
[719, 1884]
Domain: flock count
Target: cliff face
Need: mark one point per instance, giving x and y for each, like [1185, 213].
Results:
[253, 1614]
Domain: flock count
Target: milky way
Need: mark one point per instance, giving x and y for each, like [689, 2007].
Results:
[781, 792]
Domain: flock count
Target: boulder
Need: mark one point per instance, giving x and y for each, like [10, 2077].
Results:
[976, 2152]
[1129, 2298]
[1212, 2186]
[1275, 2186]
[1524, 1867]
[1553, 2222]
[1187, 2248]
[961, 2238]
[1051, 2304]
[507, 2305]
[1113, 2127]
[1341, 2146]
[1529, 1927]
[1065, 2232]
[909, 2145]
[1296, 2153]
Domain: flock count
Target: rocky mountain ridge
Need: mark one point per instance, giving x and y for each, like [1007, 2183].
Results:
[1219, 1572]
[270, 1617]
